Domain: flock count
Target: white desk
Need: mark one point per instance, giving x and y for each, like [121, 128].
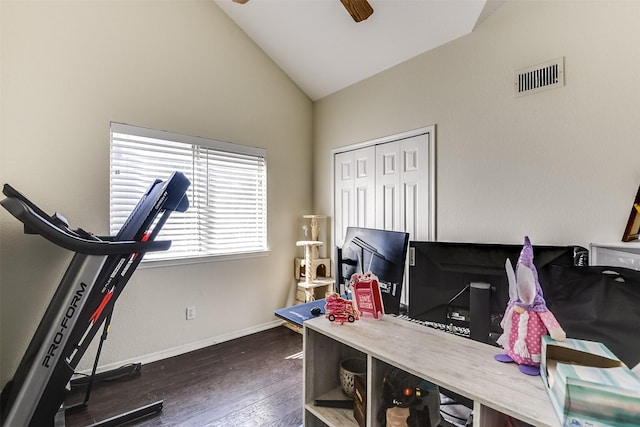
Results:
[455, 363]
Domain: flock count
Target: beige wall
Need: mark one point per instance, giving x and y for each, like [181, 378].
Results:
[561, 166]
[68, 69]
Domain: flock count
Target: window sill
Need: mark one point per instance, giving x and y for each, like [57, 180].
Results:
[146, 263]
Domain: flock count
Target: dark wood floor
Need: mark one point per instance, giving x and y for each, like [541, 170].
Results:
[250, 381]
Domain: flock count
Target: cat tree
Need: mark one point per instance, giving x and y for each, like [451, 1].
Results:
[315, 271]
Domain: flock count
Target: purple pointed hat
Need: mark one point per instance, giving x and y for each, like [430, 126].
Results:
[526, 259]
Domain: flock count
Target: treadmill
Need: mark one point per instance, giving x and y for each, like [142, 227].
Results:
[84, 300]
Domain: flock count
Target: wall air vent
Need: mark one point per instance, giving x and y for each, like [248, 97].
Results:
[545, 76]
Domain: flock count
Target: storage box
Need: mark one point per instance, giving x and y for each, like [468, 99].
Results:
[588, 385]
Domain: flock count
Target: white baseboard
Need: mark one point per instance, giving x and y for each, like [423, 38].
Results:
[197, 345]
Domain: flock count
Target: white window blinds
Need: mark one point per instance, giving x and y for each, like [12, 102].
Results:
[228, 193]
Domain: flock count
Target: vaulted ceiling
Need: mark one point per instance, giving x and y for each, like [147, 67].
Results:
[323, 49]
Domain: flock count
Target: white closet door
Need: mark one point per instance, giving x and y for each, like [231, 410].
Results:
[415, 187]
[389, 185]
[354, 191]
[402, 186]
[403, 190]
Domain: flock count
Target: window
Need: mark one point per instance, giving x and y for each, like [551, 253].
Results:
[228, 194]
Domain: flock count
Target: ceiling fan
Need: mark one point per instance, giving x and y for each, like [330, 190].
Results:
[358, 9]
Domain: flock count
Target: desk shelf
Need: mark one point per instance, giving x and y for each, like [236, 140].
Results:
[454, 363]
[332, 416]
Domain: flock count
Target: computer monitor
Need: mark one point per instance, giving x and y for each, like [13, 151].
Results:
[463, 287]
[381, 252]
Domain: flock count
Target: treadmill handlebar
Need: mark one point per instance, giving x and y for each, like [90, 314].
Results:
[36, 221]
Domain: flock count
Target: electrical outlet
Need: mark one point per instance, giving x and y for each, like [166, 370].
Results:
[191, 312]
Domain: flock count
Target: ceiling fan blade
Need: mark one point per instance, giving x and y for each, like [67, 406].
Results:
[359, 9]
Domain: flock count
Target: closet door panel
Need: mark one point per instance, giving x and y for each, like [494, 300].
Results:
[388, 186]
[343, 192]
[354, 190]
[415, 184]
[365, 182]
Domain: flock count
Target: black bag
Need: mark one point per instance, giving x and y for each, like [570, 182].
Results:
[402, 390]
[598, 304]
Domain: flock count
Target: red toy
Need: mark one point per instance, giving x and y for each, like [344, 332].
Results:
[367, 294]
[340, 309]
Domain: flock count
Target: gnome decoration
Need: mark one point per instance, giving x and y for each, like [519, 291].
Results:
[526, 318]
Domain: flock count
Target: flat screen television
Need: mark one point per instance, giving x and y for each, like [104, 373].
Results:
[463, 287]
[381, 252]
